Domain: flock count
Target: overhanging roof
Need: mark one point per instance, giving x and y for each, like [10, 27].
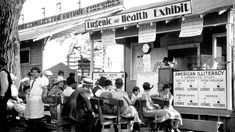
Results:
[58, 29]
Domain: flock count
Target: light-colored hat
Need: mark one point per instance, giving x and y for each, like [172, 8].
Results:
[87, 80]
[48, 73]
[24, 79]
[59, 79]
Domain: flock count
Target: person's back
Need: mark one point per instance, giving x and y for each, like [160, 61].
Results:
[5, 93]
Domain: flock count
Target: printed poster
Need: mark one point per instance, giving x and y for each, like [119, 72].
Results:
[205, 89]
[191, 26]
[147, 33]
[108, 37]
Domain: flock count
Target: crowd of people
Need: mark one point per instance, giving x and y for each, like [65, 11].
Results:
[28, 101]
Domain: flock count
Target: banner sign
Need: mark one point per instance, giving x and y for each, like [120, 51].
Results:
[108, 37]
[192, 26]
[147, 33]
[111, 76]
[161, 12]
[205, 89]
[75, 13]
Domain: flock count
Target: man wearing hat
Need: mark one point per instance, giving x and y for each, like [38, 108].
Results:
[5, 93]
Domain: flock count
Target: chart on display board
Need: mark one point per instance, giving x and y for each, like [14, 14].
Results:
[205, 89]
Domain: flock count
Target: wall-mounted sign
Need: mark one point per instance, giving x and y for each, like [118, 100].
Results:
[205, 89]
[147, 33]
[176, 9]
[191, 26]
[75, 13]
[110, 75]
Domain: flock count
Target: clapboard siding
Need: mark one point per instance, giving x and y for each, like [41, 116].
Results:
[36, 53]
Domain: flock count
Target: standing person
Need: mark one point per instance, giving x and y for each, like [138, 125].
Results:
[100, 87]
[34, 110]
[60, 74]
[71, 77]
[46, 76]
[5, 94]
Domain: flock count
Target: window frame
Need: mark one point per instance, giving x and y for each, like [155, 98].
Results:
[26, 49]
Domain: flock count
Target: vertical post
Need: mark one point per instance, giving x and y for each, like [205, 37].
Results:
[92, 58]
[233, 53]
[81, 66]
[229, 34]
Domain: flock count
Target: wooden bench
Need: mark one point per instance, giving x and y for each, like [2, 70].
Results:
[110, 121]
[149, 121]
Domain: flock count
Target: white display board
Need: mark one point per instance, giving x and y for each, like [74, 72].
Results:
[151, 77]
[110, 75]
[205, 89]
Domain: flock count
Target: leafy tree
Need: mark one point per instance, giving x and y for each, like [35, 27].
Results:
[9, 38]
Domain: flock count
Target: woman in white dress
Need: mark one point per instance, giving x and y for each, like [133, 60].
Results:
[165, 94]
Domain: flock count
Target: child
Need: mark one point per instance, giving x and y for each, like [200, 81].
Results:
[135, 95]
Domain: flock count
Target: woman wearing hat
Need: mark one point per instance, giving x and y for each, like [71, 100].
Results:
[56, 90]
[151, 109]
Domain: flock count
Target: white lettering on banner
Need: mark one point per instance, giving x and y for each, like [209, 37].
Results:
[191, 26]
[147, 33]
[205, 89]
[165, 11]
[79, 12]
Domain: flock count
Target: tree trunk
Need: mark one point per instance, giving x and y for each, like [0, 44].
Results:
[9, 37]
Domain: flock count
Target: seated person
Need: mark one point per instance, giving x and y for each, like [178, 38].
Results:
[127, 109]
[135, 95]
[151, 109]
[165, 94]
[97, 90]
[69, 89]
[106, 93]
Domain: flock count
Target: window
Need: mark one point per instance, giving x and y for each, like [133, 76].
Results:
[24, 55]
[185, 57]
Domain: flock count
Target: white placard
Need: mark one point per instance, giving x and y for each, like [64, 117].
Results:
[147, 62]
[110, 75]
[151, 77]
[205, 89]
[147, 33]
[191, 26]
[108, 37]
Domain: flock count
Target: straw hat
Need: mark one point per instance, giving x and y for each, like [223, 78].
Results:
[59, 79]
[48, 73]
